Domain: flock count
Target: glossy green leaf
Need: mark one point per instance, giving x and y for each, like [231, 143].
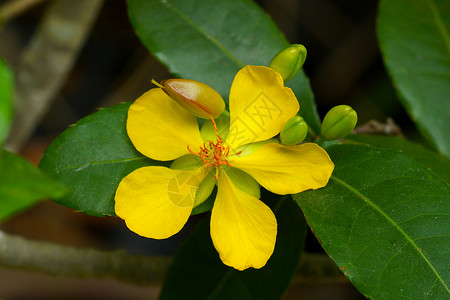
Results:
[91, 158]
[6, 90]
[429, 159]
[210, 41]
[385, 220]
[22, 185]
[198, 273]
[414, 36]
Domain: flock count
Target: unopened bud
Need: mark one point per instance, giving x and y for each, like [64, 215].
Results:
[289, 61]
[198, 98]
[294, 131]
[338, 122]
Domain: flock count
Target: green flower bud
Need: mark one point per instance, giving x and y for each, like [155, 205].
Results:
[198, 98]
[294, 131]
[338, 122]
[289, 61]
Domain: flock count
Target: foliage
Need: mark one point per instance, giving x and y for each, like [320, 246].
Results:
[383, 219]
[92, 157]
[22, 185]
[6, 87]
[415, 39]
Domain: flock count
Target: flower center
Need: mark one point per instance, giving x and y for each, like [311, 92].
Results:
[214, 154]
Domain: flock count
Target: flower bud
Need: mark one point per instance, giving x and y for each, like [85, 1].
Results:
[294, 131]
[338, 122]
[198, 98]
[289, 61]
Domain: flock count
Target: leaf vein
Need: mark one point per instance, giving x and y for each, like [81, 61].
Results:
[394, 224]
[204, 33]
[83, 166]
[439, 24]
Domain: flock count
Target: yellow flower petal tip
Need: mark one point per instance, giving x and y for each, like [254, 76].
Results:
[243, 229]
[287, 169]
[260, 105]
[160, 129]
[156, 202]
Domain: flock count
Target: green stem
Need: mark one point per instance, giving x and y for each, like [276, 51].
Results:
[319, 141]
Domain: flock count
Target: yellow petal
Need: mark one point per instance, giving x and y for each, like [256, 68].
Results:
[160, 128]
[287, 169]
[259, 105]
[243, 229]
[156, 202]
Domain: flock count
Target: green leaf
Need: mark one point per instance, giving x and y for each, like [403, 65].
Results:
[92, 157]
[384, 219]
[6, 90]
[210, 41]
[415, 42]
[429, 159]
[22, 185]
[198, 273]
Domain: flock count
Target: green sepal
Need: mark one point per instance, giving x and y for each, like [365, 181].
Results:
[208, 132]
[186, 162]
[244, 182]
[191, 162]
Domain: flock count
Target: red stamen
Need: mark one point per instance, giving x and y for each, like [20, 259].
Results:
[189, 149]
[214, 154]
[214, 123]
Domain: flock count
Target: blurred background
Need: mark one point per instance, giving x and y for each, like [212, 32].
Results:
[112, 66]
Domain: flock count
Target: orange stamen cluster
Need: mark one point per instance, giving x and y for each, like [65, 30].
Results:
[214, 154]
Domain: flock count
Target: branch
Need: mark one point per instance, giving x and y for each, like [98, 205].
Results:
[20, 253]
[374, 127]
[46, 61]
[13, 8]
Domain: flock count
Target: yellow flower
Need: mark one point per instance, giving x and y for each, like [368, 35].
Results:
[156, 202]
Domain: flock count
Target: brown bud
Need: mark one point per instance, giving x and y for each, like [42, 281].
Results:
[198, 98]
